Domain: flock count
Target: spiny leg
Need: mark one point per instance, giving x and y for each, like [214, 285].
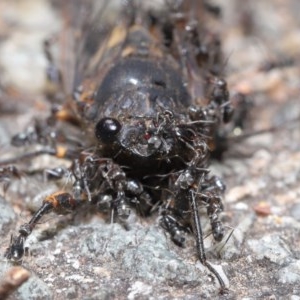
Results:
[59, 202]
[199, 241]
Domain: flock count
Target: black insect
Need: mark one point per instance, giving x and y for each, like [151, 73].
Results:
[147, 105]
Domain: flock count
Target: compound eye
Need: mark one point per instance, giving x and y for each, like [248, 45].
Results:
[107, 129]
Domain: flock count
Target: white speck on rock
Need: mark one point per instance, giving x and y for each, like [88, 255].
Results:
[139, 289]
[290, 273]
[271, 247]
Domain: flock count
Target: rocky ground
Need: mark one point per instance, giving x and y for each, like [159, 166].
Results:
[82, 257]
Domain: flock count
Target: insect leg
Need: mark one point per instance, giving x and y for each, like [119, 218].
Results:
[199, 241]
[59, 202]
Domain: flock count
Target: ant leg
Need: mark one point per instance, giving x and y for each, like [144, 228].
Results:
[59, 202]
